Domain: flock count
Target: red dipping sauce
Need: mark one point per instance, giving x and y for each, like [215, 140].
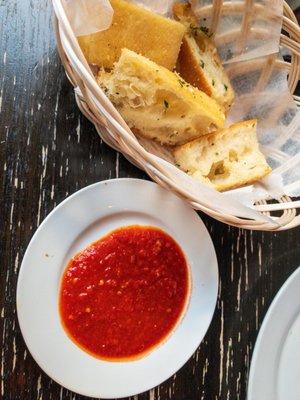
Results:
[124, 294]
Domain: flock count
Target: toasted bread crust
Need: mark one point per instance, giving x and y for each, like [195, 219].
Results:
[208, 76]
[235, 150]
[245, 182]
[214, 135]
[183, 13]
[189, 69]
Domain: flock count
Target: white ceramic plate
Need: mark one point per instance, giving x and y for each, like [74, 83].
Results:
[76, 222]
[275, 366]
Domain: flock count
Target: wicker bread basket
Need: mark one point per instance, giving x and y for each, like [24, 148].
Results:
[113, 130]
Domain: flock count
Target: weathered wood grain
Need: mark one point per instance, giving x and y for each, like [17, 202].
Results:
[48, 151]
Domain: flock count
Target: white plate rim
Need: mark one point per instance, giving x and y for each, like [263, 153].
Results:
[261, 345]
[26, 255]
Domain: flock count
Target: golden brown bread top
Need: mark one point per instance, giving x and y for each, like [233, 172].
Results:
[137, 29]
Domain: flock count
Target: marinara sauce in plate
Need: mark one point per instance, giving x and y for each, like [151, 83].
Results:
[125, 293]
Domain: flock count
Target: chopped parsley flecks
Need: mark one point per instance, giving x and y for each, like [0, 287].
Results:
[195, 29]
[204, 29]
[229, 54]
[183, 83]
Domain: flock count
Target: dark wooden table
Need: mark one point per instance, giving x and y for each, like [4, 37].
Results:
[48, 150]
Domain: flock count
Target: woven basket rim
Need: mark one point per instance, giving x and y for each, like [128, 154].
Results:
[97, 107]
